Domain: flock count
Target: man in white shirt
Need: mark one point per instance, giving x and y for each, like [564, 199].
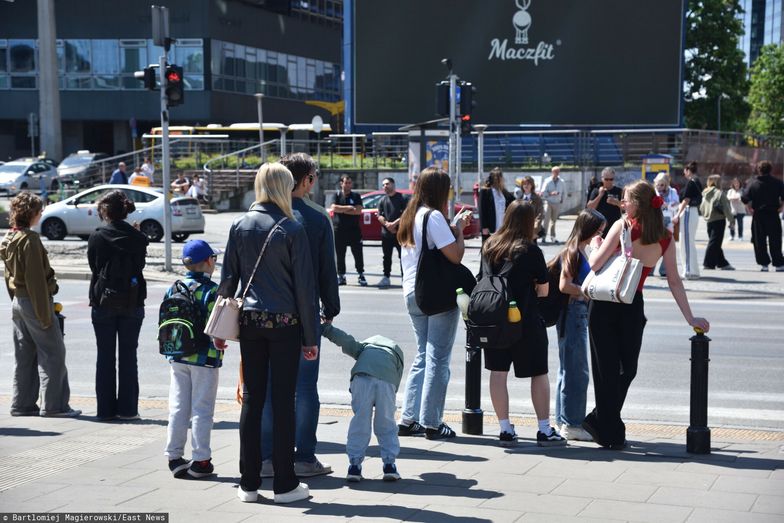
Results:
[553, 196]
[148, 169]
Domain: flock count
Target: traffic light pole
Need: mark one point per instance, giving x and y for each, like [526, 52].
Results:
[167, 226]
[453, 142]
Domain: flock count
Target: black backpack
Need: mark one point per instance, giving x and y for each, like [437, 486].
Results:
[552, 306]
[181, 323]
[117, 286]
[487, 323]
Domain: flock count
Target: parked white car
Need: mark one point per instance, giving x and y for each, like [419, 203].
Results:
[25, 174]
[78, 215]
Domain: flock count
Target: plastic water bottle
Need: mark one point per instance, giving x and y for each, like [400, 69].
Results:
[513, 314]
[462, 302]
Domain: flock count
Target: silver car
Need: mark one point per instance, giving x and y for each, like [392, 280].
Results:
[78, 215]
[28, 174]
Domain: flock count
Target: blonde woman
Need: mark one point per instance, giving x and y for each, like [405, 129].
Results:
[278, 322]
[670, 208]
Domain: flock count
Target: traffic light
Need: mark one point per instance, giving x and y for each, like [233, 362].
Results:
[465, 125]
[175, 93]
[442, 98]
[147, 75]
[467, 103]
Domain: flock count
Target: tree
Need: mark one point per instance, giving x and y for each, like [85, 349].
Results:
[715, 72]
[766, 94]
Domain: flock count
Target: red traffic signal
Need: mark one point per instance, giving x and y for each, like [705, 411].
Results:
[175, 89]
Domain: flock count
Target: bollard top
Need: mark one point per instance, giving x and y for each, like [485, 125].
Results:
[698, 331]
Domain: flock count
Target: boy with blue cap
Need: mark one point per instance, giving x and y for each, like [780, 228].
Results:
[194, 378]
[375, 379]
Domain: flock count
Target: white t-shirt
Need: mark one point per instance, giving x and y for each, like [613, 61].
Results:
[500, 208]
[439, 235]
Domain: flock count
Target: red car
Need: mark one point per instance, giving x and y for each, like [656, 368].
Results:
[371, 229]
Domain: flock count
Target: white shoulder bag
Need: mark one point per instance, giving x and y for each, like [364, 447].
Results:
[617, 281]
[224, 321]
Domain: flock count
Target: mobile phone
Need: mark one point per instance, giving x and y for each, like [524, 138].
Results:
[458, 216]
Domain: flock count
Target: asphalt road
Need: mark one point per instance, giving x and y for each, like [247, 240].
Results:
[747, 360]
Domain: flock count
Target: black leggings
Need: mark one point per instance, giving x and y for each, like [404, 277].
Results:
[261, 349]
[616, 331]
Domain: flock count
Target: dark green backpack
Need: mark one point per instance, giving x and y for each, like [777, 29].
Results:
[181, 323]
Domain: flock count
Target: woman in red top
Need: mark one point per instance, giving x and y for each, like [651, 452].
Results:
[616, 329]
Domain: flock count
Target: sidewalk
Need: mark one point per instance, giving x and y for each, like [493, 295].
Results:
[67, 465]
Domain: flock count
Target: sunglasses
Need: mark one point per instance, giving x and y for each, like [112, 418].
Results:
[608, 179]
[214, 257]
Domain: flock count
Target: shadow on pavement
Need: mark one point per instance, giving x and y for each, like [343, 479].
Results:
[393, 512]
[19, 431]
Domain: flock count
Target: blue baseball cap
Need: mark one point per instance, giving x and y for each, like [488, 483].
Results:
[196, 251]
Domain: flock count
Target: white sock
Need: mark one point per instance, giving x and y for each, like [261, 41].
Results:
[544, 426]
[506, 426]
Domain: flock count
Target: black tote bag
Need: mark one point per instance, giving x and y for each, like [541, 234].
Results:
[438, 278]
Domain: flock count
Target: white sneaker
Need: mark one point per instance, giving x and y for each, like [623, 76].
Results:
[247, 497]
[299, 493]
[575, 432]
[305, 469]
[384, 282]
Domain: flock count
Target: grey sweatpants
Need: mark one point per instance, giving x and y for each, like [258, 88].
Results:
[36, 347]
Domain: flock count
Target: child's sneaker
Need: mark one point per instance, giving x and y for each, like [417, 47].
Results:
[390, 472]
[508, 439]
[179, 467]
[444, 431]
[354, 474]
[413, 429]
[553, 439]
[201, 469]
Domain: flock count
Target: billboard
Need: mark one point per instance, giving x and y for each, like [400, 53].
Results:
[586, 63]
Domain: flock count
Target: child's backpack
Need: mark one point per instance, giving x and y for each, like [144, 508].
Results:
[487, 325]
[181, 323]
[552, 306]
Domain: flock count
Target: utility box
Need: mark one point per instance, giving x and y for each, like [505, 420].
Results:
[653, 164]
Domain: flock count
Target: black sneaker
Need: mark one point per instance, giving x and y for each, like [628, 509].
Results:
[341, 279]
[414, 429]
[201, 469]
[554, 439]
[442, 432]
[390, 472]
[179, 467]
[508, 439]
[362, 281]
[354, 474]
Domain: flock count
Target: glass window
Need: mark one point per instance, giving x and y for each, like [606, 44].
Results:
[227, 60]
[3, 59]
[91, 197]
[191, 59]
[78, 82]
[139, 196]
[77, 56]
[193, 82]
[22, 55]
[133, 59]
[105, 57]
[23, 82]
[154, 52]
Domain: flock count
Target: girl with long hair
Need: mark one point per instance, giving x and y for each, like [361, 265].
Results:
[616, 329]
[515, 242]
[277, 324]
[493, 201]
[738, 208]
[571, 389]
[423, 404]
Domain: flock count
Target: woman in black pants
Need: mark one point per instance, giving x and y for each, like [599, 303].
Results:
[616, 329]
[493, 201]
[278, 321]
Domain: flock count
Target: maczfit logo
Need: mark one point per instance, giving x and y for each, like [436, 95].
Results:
[501, 50]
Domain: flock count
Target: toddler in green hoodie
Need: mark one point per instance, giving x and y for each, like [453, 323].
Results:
[375, 379]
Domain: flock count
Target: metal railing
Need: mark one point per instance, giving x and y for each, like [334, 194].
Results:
[243, 163]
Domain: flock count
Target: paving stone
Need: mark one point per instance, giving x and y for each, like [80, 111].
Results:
[643, 512]
[769, 504]
[547, 503]
[644, 476]
[604, 490]
[703, 498]
[749, 485]
[439, 513]
[95, 494]
[24, 493]
[516, 483]
[421, 494]
[737, 469]
[600, 471]
[534, 517]
[708, 515]
[350, 508]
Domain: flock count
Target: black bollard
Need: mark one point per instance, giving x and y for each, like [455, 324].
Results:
[698, 434]
[473, 417]
[58, 308]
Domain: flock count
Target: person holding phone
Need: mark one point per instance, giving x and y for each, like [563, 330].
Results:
[607, 199]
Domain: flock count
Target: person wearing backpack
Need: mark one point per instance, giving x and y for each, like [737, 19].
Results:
[527, 278]
[194, 360]
[571, 389]
[116, 253]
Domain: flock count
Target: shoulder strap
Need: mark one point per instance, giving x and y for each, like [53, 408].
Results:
[258, 260]
[487, 270]
[424, 230]
[626, 240]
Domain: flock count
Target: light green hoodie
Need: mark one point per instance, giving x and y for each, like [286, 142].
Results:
[376, 356]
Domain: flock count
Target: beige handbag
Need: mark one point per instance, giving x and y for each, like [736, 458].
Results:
[617, 281]
[224, 321]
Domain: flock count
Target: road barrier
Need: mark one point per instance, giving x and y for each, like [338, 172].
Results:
[698, 435]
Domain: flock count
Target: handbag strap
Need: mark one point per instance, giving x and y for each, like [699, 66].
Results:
[258, 260]
[624, 232]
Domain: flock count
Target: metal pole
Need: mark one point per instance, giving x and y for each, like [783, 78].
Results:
[354, 150]
[283, 140]
[453, 138]
[50, 135]
[480, 140]
[718, 115]
[259, 96]
[698, 438]
[318, 149]
[167, 265]
[473, 416]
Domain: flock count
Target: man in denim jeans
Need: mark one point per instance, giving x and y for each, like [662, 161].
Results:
[322, 250]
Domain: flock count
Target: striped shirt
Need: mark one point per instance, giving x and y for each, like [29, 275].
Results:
[205, 291]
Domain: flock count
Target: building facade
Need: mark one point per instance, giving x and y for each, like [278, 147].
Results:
[290, 50]
[762, 24]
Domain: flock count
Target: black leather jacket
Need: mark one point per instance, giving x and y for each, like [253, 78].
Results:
[284, 280]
